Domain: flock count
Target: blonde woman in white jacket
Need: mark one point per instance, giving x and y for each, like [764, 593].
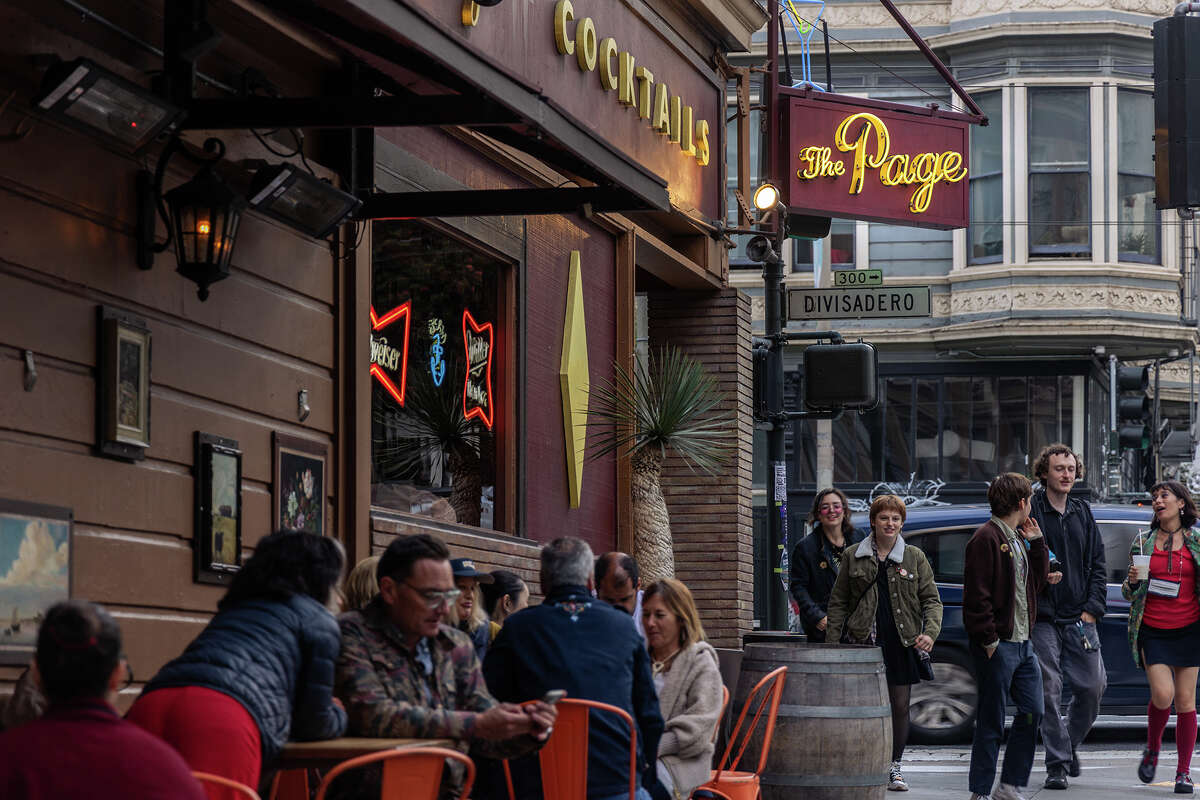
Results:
[689, 688]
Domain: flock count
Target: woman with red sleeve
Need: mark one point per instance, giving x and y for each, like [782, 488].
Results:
[1164, 624]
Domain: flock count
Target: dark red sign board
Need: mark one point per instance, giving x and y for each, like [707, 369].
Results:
[854, 158]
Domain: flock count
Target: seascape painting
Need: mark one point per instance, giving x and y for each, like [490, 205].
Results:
[35, 572]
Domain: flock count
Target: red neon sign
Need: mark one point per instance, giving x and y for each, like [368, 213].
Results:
[477, 386]
[384, 357]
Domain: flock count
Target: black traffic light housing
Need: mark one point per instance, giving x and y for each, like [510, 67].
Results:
[840, 376]
[1134, 411]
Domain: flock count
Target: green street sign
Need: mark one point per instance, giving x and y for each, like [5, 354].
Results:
[858, 277]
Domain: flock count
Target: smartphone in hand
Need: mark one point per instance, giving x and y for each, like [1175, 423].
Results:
[553, 696]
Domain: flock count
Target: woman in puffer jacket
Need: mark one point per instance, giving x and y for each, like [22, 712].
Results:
[261, 672]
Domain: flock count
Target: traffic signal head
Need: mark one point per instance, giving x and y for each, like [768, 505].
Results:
[838, 376]
[1134, 411]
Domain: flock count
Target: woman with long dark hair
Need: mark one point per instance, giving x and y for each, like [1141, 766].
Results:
[261, 672]
[1164, 623]
[818, 556]
[504, 596]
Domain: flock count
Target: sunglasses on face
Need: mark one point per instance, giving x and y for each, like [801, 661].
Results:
[435, 598]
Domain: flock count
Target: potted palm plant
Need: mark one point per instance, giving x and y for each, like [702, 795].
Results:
[668, 402]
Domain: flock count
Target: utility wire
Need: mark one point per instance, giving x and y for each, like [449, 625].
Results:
[939, 99]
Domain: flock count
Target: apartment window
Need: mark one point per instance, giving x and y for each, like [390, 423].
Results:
[1138, 233]
[841, 243]
[1059, 173]
[985, 235]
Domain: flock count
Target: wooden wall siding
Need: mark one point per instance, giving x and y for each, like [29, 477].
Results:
[231, 366]
[490, 551]
[711, 516]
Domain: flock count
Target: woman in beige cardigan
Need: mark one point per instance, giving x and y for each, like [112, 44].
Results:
[689, 688]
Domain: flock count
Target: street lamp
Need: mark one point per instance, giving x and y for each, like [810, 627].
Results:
[766, 197]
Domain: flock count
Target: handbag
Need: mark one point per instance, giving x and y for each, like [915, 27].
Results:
[924, 665]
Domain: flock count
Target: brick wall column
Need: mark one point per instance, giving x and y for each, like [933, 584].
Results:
[711, 516]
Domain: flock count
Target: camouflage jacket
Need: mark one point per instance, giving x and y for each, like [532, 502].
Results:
[388, 693]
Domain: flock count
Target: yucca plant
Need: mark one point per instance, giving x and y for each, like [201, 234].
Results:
[669, 402]
[432, 427]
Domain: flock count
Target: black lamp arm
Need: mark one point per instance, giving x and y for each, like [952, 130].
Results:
[152, 187]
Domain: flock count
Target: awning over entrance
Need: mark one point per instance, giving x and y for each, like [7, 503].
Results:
[440, 80]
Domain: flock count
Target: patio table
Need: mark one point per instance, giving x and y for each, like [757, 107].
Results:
[331, 752]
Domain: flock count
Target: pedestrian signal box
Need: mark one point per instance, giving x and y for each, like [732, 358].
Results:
[840, 376]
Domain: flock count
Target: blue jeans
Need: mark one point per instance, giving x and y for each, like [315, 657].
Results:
[642, 794]
[1012, 672]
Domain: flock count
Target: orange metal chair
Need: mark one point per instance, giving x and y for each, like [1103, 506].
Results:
[290, 784]
[727, 780]
[721, 716]
[409, 773]
[564, 759]
[238, 789]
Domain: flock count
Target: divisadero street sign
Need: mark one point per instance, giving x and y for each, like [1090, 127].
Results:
[893, 301]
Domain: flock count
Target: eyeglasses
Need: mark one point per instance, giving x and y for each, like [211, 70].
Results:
[829, 509]
[434, 598]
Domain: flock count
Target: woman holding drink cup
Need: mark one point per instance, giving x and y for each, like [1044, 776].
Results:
[1163, 588]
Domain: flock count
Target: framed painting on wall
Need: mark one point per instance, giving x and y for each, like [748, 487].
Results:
[218, 507]
[300, 483]
[122, 385]
[35, 572]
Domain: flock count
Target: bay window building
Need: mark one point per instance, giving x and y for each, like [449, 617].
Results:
[1065, 261]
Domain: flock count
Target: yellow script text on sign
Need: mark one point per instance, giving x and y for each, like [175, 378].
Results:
[870, 148]
[667, 113]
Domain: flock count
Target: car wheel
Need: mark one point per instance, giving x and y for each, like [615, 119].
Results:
[942, 711]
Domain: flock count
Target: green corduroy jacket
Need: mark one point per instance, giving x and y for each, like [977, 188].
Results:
[916, 606]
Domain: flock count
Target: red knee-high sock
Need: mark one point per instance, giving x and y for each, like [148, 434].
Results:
[1158, 724]
[1185, 738]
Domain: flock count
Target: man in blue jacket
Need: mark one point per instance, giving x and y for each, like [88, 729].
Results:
[575, 642]
[1065, 637]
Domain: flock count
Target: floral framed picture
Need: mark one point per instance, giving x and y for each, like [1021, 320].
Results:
[300, 486]
[35, 572]
[218, 509]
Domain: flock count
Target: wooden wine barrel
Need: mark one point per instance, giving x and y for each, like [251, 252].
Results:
[833, 734]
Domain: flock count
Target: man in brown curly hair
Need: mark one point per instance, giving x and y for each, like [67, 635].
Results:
[1065, 636]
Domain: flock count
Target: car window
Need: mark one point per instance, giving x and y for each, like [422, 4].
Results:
[1117, 538]
[945, 551]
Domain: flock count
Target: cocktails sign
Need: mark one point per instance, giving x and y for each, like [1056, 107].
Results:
[864, 159]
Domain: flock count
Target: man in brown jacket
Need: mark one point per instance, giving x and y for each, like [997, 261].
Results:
[1007, 564]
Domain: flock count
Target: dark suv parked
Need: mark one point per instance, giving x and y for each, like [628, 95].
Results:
[943, 710]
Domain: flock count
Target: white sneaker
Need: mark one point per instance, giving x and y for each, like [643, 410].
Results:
[896, 779]
[1008, 792]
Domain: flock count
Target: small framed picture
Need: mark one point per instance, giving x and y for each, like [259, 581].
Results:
[300, 483]
[122, 385]
[218, 532]
[35, 572]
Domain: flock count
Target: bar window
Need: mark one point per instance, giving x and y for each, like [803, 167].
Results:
[438, 338]
[1059, 173]
[985, 234]
[1138, 232]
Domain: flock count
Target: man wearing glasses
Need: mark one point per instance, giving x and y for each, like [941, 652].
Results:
[403, 673]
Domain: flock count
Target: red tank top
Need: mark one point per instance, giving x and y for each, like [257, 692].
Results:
[1173, 612]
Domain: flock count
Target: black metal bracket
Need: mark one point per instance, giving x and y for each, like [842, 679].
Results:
[344, 112]
[781, 338]
[496, 202]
